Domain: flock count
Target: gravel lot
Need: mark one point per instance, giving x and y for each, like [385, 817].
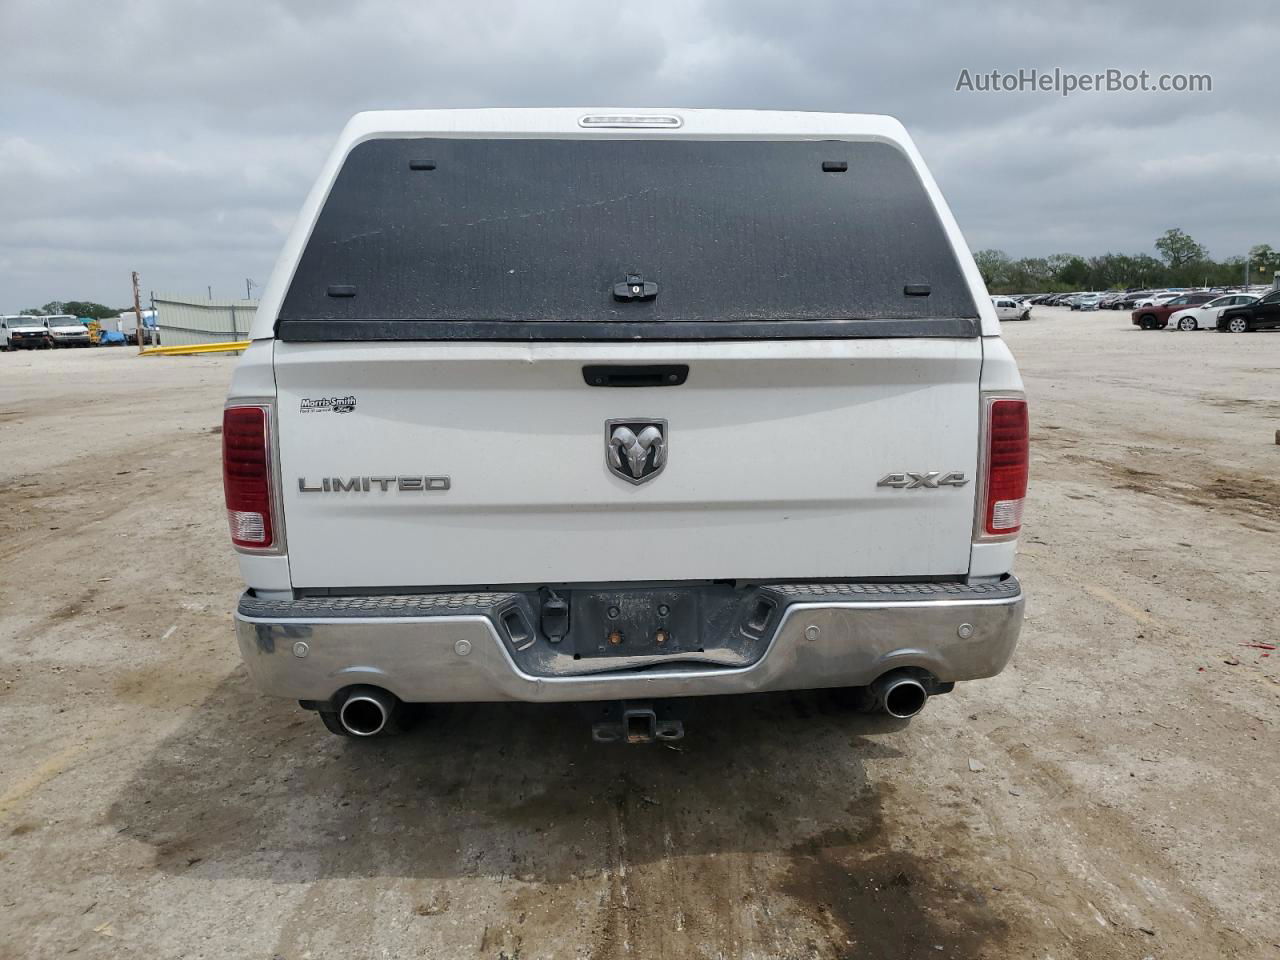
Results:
[1112, 794]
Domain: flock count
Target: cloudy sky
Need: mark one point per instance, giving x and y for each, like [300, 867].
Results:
[178, 137]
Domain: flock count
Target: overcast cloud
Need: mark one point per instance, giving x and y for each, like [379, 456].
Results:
[178, 137]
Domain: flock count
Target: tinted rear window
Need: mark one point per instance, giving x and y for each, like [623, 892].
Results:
[542, 230]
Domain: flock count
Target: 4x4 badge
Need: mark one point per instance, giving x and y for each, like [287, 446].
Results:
[930, 480]
[635, 450]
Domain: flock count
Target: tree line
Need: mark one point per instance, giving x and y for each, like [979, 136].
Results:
[76, 308]
[1181, 262]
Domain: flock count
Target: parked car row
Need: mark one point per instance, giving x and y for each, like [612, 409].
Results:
[1076, 301]
[1154, 313]
[43, 333]
[1189, 311]
[1080, 300]
[1228, 310]
[1248, 314]
[63, 330]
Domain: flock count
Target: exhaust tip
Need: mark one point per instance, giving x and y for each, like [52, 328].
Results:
[905, 699]
[901, 695]
[366, 711]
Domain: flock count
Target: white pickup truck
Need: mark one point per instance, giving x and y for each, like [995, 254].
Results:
[615, 406]
[67, 331]
[1009, 309]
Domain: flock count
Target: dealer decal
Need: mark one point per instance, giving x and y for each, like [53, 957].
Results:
[329, 404]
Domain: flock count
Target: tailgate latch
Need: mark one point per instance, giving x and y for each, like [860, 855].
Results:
[635, 287]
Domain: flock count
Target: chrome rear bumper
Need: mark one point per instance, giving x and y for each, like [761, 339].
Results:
[448, 647]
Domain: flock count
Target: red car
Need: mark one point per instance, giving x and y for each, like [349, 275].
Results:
[1157, 317]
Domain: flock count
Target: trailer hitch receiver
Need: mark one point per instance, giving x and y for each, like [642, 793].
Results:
[636, 721]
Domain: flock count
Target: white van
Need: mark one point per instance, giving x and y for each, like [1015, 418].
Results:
[25, 333]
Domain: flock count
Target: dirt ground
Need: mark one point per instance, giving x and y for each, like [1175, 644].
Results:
[1111, 795]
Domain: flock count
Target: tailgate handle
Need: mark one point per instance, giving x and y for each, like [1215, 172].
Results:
[631, 375]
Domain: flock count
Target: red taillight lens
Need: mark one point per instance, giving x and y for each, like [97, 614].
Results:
[1007, 464]
[246, 476]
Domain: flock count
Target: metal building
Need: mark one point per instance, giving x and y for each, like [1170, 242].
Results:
[189, 320]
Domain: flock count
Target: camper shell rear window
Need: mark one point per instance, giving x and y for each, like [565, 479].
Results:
[520, 239]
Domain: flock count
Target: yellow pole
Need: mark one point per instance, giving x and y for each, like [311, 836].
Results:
[230, 346]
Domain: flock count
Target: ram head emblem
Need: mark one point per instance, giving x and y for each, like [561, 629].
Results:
[636, 450]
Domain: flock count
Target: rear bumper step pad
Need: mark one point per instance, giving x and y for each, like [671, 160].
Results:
[456, 648]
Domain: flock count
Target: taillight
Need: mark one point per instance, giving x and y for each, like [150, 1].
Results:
[1006, 464]
[246, 475]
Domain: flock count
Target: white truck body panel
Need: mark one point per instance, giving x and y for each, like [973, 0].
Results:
[775, 452]
[127, 322]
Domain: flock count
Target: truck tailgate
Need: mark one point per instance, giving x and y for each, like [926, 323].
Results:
[774, 452]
